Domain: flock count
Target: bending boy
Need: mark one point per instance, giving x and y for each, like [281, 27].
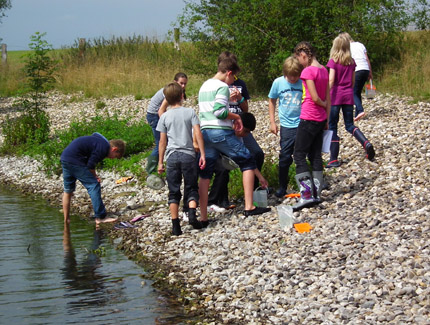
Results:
[218, 126]
[79, 161]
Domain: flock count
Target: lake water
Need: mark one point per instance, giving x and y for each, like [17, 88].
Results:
[53, 275]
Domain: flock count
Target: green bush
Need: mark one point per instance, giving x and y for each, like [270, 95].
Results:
[33, 126]
[138, 137]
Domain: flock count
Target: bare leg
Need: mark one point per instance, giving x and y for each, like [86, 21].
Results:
[203, 193]
[248, 188]
[174, 207]
[67, 198]
[192, 204]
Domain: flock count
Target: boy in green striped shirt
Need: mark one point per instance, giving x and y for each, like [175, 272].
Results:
[218, 127]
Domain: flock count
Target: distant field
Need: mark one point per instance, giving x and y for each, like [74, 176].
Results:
[140, 67]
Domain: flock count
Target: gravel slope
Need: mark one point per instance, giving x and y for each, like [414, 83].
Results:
[366, 260]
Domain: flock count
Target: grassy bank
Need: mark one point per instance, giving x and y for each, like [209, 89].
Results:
[410, 75]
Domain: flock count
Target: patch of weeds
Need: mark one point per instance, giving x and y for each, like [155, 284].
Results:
[100, 105]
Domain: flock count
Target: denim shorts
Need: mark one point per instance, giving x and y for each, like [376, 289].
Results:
[226, 142]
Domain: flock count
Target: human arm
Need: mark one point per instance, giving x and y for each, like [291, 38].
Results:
[272, 106]
[314, 95]
[163, 107]
[161, 151]
[370, 67]
[261, 179]
[353, 80]
[331, 77]
[237, 121]
[328, 104]
[93, 171]
[197, 134]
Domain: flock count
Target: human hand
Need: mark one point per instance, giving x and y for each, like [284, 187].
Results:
[263, 182]
[202, 162]
[161, 168]
[274, 128]
[238, 125]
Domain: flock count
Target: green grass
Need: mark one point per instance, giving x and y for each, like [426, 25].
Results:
[409, 76]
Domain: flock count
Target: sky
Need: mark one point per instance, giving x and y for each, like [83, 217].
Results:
[65, 21]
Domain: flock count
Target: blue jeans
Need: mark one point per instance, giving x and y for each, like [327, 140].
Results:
[226, 142]
[309, 141]
[288, 139]
[361, 77]
[348, 117]
[180, 165]
[71, 173]
[153, 121]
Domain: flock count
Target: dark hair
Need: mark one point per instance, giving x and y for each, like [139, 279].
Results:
[307, 48]
[248, 121]
[228, 64]
[226, 55]
[173, 93]
[180, 75]
[177, 77]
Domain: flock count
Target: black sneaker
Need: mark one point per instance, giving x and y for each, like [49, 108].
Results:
[256, 211]
[192, 219]
[176, 227]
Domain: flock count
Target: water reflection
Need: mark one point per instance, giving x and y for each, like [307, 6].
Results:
[84, 276]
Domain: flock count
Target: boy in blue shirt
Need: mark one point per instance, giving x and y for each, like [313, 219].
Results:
[79, 161]
[289, 90]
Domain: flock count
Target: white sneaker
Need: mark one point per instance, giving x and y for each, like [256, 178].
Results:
[216, 209]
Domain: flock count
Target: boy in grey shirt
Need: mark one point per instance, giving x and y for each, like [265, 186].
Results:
[176, 128]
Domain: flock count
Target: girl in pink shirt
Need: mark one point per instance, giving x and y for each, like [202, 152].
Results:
[313, 121]
[341, 82]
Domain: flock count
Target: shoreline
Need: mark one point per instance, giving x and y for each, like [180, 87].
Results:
[365, 260]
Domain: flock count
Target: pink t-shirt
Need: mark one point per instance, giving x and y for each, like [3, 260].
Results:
[342, 92]
[310, 110]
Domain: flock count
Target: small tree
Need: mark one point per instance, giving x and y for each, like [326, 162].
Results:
[33, 125]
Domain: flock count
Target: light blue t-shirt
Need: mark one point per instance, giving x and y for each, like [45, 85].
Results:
[290, 101]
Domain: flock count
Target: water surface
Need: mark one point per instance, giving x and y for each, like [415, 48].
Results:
[52, 274]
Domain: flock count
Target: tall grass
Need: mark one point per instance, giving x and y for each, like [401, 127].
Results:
[410, 75]
[111, 67]
[140, 66]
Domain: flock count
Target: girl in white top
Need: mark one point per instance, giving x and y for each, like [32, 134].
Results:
[363, 72]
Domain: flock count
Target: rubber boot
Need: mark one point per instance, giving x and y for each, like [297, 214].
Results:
[283, 181]
[152, 164]
[334, 153]
[306, 187]
[176, 227]
[192, 219]
[318, 179]
[370, 151]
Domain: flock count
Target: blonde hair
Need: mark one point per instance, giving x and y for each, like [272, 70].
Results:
[292, 67]
[347, 36]
[341, 51]
[120, 145]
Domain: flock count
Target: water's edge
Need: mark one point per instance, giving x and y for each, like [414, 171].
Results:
[154, 269]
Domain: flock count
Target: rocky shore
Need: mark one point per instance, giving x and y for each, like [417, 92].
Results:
[366, 260]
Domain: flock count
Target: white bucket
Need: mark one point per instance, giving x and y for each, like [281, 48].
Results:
[259, 197]
[286, 218]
